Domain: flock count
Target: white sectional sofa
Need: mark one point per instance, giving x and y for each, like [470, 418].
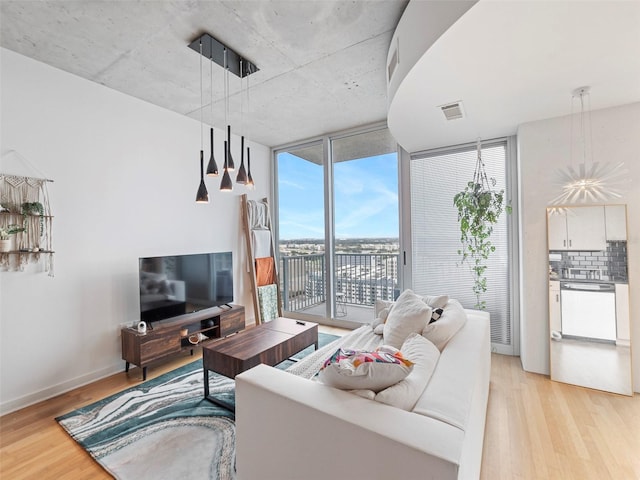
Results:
[289, 427]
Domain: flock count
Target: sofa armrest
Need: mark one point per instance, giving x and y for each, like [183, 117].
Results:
[289, 427]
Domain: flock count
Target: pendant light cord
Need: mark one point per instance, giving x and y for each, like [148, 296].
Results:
[211, 83]
[226, 88]
[241, 102]
[201, 99]
[248, 100]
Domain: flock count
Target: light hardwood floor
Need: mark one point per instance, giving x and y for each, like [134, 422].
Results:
[536, 429]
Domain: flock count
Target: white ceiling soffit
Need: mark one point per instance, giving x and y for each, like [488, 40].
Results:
[516, 62]
[322, 62]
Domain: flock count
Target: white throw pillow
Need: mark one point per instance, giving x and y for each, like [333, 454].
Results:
[359, 370]
[409, 315]
[441, 331]
[381, 311]
[436, 301]
[424, 355]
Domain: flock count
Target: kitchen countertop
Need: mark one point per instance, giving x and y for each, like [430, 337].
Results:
[584, 280]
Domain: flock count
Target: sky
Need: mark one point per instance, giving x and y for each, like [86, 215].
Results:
[366, 197]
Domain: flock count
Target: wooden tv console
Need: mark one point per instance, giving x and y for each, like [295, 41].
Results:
[167, 337]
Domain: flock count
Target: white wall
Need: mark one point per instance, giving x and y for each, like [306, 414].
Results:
[543, 148]
[126, 174]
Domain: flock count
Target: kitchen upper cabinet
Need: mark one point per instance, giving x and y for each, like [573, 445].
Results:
[557, 230]
[579, 228]
[615, 217]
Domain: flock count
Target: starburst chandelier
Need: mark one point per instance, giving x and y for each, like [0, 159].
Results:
[589, 181]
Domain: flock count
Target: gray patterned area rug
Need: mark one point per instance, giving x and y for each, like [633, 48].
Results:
[163, 428]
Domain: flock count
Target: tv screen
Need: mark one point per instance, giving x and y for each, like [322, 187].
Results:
[179, 284]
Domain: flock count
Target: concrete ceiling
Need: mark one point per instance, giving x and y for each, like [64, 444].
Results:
[513, 62]
[322, 63]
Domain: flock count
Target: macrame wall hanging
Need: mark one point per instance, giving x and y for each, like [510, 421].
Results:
[25, 221]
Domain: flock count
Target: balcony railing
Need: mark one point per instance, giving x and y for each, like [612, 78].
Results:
[361, 279]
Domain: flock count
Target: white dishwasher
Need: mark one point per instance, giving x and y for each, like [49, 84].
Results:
[588, 310]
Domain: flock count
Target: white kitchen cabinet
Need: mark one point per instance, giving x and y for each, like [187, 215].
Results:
[615, 217]
[623, 335]
[555, 313]
[557, 231]
[580, 228]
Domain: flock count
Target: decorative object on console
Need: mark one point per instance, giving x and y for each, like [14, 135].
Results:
[479, 208]
[590, 182]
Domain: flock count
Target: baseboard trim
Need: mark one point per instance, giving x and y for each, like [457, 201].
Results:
[55, 390]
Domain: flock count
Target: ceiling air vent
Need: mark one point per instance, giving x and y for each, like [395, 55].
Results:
[452, 111]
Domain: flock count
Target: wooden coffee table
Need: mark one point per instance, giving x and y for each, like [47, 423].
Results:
[269, 343]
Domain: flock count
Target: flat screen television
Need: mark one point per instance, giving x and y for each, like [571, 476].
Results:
[179, 284]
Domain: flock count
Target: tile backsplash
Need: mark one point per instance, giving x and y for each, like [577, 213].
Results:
[608, 265]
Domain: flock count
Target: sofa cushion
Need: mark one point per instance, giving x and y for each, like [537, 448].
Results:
[436, 301]
[462, 373]
[406, 393]
[409, 315]
[381, 309]
[361, 370]
[439, 332]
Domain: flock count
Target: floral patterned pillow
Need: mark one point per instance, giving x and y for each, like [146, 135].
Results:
[362, 370]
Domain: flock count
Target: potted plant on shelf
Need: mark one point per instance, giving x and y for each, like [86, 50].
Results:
[5, 236]
[479, 208]
[33, 208]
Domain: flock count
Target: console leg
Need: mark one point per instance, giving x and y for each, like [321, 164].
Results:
[144, 373]
[126, 367]
[192, 352]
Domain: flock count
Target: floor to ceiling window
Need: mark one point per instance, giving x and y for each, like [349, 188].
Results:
[350, 211]
[301, 226]
[435, 177]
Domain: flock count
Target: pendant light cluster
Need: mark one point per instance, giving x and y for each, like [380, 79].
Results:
[209, 48]
[589, 181]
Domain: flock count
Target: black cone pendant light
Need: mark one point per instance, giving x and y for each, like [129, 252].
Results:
[212, 167]
[249, 183]
[225, 184]
[241, 178]
[202, 196]
[230, 166]
[230, 61]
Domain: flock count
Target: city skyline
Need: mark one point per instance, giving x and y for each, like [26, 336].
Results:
[365, 198]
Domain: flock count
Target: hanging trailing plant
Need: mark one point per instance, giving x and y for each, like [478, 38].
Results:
[34, 208]
[479, 208]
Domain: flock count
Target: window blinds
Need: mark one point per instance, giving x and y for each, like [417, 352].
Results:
[436, 177]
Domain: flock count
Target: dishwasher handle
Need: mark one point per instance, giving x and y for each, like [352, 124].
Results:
[588, 287]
